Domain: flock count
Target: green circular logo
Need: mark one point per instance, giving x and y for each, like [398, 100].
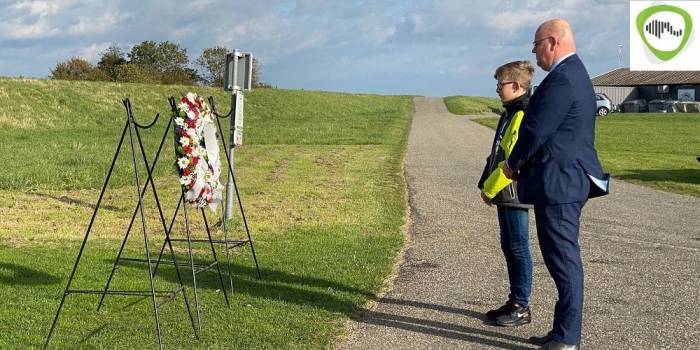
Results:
[642, 18]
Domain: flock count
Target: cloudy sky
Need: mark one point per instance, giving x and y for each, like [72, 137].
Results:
[435, 48]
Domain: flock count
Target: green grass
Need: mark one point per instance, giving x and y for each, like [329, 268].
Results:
[469, 105]
[71, 128]
[320, 176]
[651, 149]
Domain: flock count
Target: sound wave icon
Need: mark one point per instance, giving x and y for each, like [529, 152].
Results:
[656, 28]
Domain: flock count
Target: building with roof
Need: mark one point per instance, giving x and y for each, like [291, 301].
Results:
[622, 85]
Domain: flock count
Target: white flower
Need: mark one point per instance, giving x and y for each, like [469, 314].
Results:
[183, 162]
[205, 175]
[186, 180]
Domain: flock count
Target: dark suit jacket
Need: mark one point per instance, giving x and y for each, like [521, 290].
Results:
[555, 153]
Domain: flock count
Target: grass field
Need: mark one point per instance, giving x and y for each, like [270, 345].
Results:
[651, 149]
[470, 105]
[320, 177]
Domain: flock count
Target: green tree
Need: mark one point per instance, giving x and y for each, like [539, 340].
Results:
[165, 58]
[212, 63]
[110, 59]
[187, 76]
[136, 73]
[256, 80]
[75, 68]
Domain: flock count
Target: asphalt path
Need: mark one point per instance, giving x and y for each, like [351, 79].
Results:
[640, 247]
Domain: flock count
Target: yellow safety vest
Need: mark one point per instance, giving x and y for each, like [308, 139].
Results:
[497, 181]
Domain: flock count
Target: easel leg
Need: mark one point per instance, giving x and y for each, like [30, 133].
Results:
[238, 196]
[228, 252]
[166, 229]
[87, 234]
[216, 260]
[143, 227]
[245, 223]
[194, 272]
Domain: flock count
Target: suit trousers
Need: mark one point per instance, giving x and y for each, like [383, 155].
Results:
[558, 233]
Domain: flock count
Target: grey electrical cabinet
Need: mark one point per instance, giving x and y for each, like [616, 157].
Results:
[238, 74]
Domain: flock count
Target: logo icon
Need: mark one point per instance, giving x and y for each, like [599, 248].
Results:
[665, 30]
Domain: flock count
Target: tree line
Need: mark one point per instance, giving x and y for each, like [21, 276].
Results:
[153, 62]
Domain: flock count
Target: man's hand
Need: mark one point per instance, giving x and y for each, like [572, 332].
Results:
[508, 172]
[486, 200]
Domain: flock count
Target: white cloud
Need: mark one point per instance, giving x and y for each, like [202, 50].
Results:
[17, 30]
[95, 24]
[446, 42]
[92, 52]
[40, 8]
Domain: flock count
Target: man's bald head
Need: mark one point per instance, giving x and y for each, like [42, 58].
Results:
[561, 30]
[557, 40]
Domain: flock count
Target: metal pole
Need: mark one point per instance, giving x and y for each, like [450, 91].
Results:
[232, 146]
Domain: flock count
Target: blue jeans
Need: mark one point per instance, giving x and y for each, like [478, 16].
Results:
[515, 244]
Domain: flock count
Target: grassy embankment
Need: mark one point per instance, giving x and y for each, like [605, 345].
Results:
[470, 105]
[321, 181]
[651, 149]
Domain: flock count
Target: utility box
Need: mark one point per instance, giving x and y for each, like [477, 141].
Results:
[238, 74]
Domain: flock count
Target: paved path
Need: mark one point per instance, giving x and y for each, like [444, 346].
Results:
[641, 252]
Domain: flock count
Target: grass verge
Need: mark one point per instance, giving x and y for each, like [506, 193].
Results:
[320, 176]
[468, 105]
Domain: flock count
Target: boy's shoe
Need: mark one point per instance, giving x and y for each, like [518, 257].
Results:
[495, 313]
[516, 315]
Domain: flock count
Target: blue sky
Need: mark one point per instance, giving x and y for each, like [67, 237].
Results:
[433, 48]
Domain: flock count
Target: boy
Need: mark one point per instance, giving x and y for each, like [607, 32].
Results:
[513, 81]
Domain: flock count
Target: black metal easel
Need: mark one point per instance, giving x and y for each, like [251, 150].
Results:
[235, 243]
[133, 128]
[228, 243]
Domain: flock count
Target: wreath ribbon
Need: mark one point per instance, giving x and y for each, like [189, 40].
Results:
[198, 153]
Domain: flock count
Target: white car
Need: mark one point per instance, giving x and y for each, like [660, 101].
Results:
[603, 104]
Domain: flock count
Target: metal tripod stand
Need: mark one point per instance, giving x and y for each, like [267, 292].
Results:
[133, 129]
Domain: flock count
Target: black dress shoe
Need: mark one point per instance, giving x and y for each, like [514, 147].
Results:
[555, 345]
[541, 340]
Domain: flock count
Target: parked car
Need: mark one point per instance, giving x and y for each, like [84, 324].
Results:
[603, 104]
[635, 106]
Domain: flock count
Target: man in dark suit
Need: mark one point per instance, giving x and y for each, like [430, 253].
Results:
[558, 170]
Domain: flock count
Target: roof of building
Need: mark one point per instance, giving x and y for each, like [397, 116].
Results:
[625, 77]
